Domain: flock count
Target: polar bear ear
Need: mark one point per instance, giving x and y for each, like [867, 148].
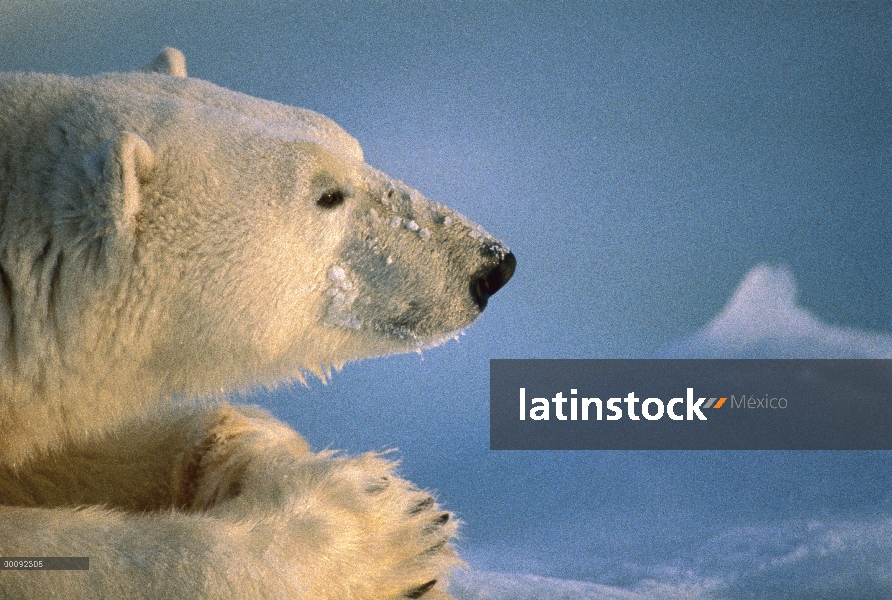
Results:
[169, 62]
[122, 165]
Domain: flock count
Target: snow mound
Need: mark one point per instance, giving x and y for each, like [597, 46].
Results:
[762, 320]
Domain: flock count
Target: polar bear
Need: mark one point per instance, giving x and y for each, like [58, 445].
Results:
[163, 240]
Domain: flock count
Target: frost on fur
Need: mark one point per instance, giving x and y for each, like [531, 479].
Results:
[163, 238]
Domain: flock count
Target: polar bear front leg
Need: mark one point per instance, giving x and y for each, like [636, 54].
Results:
[235, 495]
[348, 527]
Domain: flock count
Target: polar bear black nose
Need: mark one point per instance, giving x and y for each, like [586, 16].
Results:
[491, 280]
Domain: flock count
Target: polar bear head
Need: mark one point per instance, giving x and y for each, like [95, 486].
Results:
[210, 239]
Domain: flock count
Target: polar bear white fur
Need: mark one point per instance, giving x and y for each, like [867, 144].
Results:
[164, 238]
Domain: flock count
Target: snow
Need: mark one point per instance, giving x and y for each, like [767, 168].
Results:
[342, 294]
[763, 320]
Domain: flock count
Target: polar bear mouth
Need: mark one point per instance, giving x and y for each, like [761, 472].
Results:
[402, 329]
[376, 284]
[419, 320]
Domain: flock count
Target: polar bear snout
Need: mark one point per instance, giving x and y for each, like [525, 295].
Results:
[491, 278]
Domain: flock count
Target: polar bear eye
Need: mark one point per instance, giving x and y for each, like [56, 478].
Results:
[331, 199]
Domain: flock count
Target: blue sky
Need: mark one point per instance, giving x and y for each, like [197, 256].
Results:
[640, 159]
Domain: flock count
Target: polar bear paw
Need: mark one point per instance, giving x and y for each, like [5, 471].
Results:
[347, 527]
[393, 539]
